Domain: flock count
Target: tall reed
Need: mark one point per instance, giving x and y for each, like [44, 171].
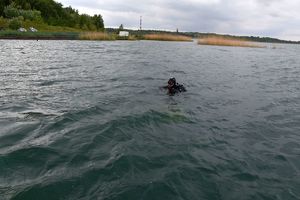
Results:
[222, 41]
[96, 36]
[167, 37]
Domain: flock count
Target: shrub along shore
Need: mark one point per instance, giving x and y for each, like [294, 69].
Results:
[11, 34]
[39, 35]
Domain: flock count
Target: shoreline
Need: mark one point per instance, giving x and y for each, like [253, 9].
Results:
[69, 37]
[111, 34]
[37, 38]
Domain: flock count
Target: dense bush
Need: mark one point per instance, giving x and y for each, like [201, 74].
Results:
[3, 23]
[16, 23]
[12, 11]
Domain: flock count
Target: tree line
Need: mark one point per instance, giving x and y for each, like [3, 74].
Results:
[50, 12]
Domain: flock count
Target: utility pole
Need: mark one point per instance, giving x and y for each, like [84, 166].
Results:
[141, 23]
[140, 30]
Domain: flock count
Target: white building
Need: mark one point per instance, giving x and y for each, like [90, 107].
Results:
[123, 33]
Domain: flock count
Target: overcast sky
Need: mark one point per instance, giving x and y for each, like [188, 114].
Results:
[275, 18]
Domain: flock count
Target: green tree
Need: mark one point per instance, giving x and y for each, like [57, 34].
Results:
[27, 6]
[13, 11]
[2, 6]
[15, 23]
[51, 12]
[98, 21]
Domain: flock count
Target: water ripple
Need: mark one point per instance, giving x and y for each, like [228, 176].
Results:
[90, 120]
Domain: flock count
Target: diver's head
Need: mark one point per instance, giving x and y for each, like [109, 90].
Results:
[171, 82]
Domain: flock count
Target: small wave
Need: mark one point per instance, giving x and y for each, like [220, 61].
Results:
[246, 177]
[147, 78]
[223, 50]
[155, 117]
[26, 115]
[47, 83]
[88, 112]
[177, 72]
[136, 120]
[33, 115]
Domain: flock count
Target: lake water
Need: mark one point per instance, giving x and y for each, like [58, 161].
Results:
[88, 120]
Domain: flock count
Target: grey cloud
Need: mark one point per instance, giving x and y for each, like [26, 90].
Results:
[252, 17]
[268, 2]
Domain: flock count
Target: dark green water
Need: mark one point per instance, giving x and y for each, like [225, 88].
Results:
[87, 120]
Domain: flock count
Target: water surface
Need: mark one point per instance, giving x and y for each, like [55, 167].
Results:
[88, 120]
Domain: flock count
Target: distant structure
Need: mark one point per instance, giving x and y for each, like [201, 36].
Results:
[31, 29]
[177, 30]
[123, 33]
[141, 19]
[22, 29]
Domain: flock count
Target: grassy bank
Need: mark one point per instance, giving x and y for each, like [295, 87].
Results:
[39, 35]
[167, 37]
[79, 35]
[222, 41]
[62, 35]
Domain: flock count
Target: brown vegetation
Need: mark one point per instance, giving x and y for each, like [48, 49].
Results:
[96, 36]
[167, 37]
[222, 41]
[130, 37]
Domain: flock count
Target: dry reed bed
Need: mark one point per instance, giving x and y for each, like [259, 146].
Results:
[130, 37]
[167, 37]
[96, 36]
[220, 41]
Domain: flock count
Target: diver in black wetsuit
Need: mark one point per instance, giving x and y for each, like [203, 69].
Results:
[174, 87]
